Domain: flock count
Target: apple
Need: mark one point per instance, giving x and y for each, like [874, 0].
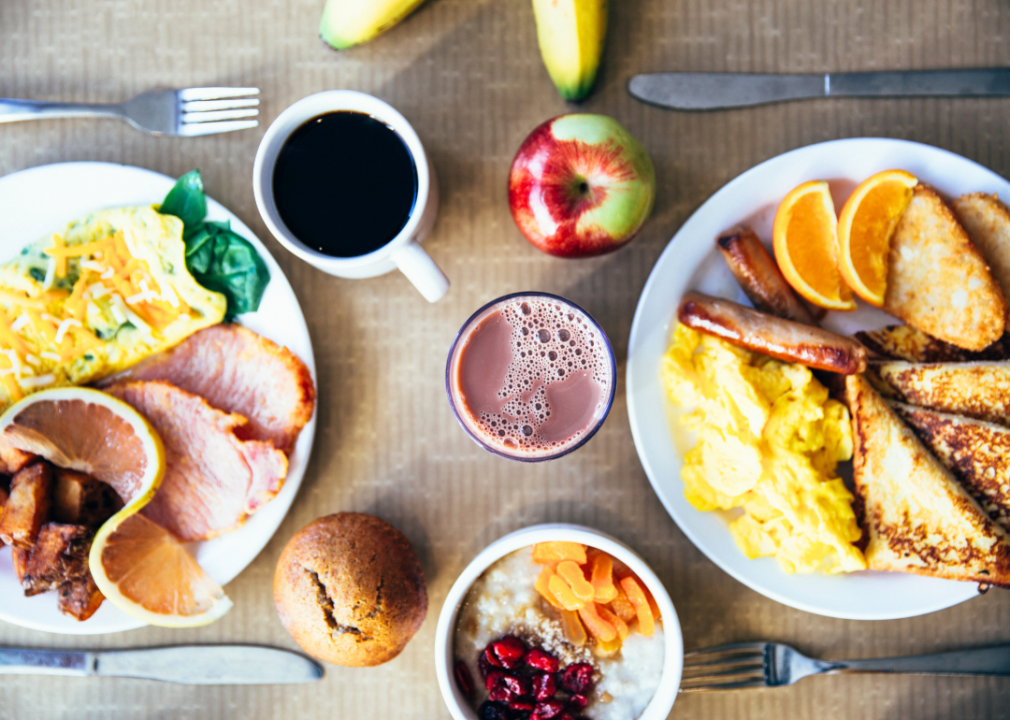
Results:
[581, 185]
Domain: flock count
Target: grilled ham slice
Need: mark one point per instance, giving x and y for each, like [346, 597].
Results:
[976, 451]
[213, 479]
[917, 517]
[938, 281]
[977, 389]
[238, 371]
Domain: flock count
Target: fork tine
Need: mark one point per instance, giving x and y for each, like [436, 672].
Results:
[710, 668]
[215, 93]
[746, 685]
[732, 647]
[203, 105]
[210, 128]
[215, 115]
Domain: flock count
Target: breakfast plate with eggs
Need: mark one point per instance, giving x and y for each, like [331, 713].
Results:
[693, 459]
[95, 289]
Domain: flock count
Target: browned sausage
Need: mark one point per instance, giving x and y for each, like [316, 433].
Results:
[759, 277]
[780, 338]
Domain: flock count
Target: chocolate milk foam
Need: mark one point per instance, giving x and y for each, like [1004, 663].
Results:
[533, 376]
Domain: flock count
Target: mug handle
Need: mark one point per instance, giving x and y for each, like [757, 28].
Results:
[422, 271]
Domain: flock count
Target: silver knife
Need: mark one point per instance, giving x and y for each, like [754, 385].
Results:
[716, 91]
[189, 664]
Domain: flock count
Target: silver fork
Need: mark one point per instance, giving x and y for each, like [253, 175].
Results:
[766, 664]
[187, 112]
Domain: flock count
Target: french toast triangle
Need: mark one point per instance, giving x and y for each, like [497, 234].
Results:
[938, 281]
[976, 451]
[917, 517]
[977, 389]
[987, 221]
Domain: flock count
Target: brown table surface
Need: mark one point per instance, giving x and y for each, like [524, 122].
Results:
[468, 75]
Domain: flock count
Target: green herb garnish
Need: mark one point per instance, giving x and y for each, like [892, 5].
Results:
[219, 259]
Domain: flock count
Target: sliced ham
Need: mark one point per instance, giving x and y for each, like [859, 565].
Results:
[238, 371]
[213, 479]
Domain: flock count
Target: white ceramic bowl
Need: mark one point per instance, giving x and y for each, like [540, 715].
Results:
[669, 683]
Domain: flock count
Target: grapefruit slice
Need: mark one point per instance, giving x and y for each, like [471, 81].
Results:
[865, 227]
[806, 247]
[135, 563]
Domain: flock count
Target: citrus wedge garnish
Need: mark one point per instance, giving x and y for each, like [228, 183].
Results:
[805, 246]
[865, 227]
[135, 563]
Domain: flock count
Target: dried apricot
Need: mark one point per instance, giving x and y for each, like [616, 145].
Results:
[595, 625]
[575, 633]
[646, 621]
[563, 593]
[622, 607]
[608, 649]
[557, 551]
[575, 578]
[619, 625]
[543, 587]
[603, 578]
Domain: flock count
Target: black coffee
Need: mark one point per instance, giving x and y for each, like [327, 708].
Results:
[345, 184]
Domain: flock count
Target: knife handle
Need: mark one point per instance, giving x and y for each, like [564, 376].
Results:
[22, 661]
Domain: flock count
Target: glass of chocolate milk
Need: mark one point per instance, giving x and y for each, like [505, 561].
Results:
[531, 377]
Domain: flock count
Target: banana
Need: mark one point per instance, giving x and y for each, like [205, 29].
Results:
[350, 22]
[571, 35]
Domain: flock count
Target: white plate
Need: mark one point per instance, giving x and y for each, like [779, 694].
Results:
[42, 200]
[690, 262]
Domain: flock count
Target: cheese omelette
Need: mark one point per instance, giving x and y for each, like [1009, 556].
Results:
[769, 440]
[112, 289]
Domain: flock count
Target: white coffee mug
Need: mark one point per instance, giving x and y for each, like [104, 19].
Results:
[404, 251]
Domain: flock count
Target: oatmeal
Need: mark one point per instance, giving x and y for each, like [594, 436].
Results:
[557, 631]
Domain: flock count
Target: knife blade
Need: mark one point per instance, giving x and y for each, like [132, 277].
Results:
[188, 664]
[717, 91]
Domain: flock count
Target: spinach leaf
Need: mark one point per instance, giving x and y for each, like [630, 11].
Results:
[186, 200]
[218, 258]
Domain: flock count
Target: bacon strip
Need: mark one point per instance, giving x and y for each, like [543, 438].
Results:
[781, 339]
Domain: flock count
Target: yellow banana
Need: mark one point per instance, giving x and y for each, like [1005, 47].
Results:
[571, 35]
[351, 22]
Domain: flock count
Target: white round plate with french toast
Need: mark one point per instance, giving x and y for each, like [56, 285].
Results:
[691, 262]
[40, 200]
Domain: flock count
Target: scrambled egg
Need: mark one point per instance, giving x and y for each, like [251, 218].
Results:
[108, 292]
[769, 441]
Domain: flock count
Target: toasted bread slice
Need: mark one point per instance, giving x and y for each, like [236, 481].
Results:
[979, 390]
[987, 221]
[917, 517]
[903, 342]
[976, 451]
[937, 281]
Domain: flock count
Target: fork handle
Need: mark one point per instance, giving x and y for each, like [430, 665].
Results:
[981, 661]
[12, 110]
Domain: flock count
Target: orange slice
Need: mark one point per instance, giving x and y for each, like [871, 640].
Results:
[137, 565]
[806, 247]
[865, 227]
[148, 573]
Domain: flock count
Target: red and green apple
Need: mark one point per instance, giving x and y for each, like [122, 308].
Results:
[581, 185]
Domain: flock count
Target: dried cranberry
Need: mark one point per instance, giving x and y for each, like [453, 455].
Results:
[492, 711]
[577, 701]
[508, 652]
[537, 658]
[544, 686]
[578, 678]
[490, 657]
[521, 705]
[495, 678]
[463, 678]
[500, 693]
[564, 716]
[518, 685]
[484, 664]
[548, 710]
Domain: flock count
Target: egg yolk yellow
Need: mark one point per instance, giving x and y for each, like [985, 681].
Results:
[769, 440]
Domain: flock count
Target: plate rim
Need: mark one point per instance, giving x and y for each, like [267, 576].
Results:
[679, 239]
[306, 440]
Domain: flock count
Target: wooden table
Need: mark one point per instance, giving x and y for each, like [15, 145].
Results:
[468, 75]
